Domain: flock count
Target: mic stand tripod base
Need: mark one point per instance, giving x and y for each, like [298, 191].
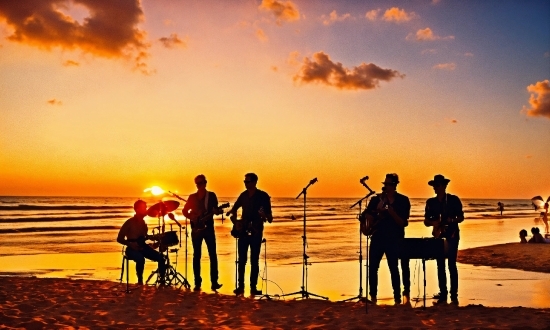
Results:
[305, 295]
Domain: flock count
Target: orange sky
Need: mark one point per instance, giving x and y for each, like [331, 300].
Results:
[333, 90]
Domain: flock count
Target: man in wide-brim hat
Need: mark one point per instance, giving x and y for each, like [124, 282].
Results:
[444, 213]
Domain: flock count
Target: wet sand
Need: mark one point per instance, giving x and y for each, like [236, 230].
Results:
[530, 257]
[36, 303]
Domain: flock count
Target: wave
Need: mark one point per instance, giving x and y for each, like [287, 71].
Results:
[63, 213]
[63, 207]
[33, 219]
[47, 229]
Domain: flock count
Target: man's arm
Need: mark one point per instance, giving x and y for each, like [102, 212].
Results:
[215, 203]
[402, 213]
[235, 207]
[267, 209]
[187, 207]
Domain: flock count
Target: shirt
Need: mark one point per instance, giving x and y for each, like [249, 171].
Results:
[195, 207]
[251, 206]
[385, 225]
[449, 207]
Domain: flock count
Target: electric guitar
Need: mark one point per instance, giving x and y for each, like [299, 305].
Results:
[244, 227]
[198, 225]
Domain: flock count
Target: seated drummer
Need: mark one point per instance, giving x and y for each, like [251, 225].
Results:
[132, 234]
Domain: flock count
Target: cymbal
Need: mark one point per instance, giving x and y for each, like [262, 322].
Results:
[160, 209]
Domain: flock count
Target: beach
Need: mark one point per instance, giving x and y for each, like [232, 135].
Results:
[37, 303]
[529, 257]
[65, 250]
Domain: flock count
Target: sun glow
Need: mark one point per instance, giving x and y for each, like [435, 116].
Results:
[155, 190]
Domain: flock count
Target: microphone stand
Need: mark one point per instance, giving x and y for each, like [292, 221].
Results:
[359, 202]
[303, 292]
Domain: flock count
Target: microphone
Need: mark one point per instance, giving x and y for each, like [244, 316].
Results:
[365, 178]
[313, 181]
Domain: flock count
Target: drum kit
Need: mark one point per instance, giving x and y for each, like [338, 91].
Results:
[165, 240]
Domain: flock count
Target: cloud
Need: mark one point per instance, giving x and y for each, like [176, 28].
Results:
[427, 35]
[260, 34]
[397, 15]
[540, 104]
[469, 54]
[529, 156]
[333, 17]
[453, 121]
[70, 63]
[435, 2]
[283, 11]
[429, 51]
[173, 41]
[372, 15]
[547, 54]
[110, 30]
[445, 66]
[274, 68]
[54, 102]
[320, 69]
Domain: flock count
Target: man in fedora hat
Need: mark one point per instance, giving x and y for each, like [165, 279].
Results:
[388, 214]
[444, 213]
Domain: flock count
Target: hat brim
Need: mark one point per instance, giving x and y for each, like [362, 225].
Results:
[432, 182]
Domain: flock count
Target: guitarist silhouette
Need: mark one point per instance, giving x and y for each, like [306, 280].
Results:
[200, 208]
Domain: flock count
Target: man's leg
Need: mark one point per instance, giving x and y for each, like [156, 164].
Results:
[153, 255]
[210, 240]
[243, 244]
[406, 276]
[442, 279]
[197, 253]
[140, 262]
[453, 271]
[392, 257]
[376, 252]
[255, 248]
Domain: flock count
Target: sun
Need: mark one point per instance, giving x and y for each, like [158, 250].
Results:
[155, 190]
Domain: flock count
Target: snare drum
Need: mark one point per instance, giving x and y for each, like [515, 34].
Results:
[169, 238]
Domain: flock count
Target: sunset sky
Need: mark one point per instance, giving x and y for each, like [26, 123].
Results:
[106, 98]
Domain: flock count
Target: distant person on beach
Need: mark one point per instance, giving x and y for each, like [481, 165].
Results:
[200, 204]
[256, 209]
[132, 234]
[444, 212]
[522, 236]
[388, 213]
[500, 207]
[537, 237]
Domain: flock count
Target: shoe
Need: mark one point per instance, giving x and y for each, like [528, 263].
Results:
[397, 302]
[406, 299]
[255, 292]
[140, 282]
[454, 301]
[216, 286]
[239, 291]
[373, 299]
[197, 288]
[441, 301]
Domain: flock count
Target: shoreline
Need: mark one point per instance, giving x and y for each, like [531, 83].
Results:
[55, 303]
[527, 257]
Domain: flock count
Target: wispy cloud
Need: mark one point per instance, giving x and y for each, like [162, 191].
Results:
[429, 51]
[539, 100]
[110, 31]
[321, 69]
[445, 66]
[283, 11]
[333, 17]
[397, 15]
[427, 35]
[372, 15]
[260, 34]
[469, 54]
[174, 41]
[70, 63]
[54, 102]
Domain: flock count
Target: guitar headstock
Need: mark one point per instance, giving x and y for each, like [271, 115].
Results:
[224, 205]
